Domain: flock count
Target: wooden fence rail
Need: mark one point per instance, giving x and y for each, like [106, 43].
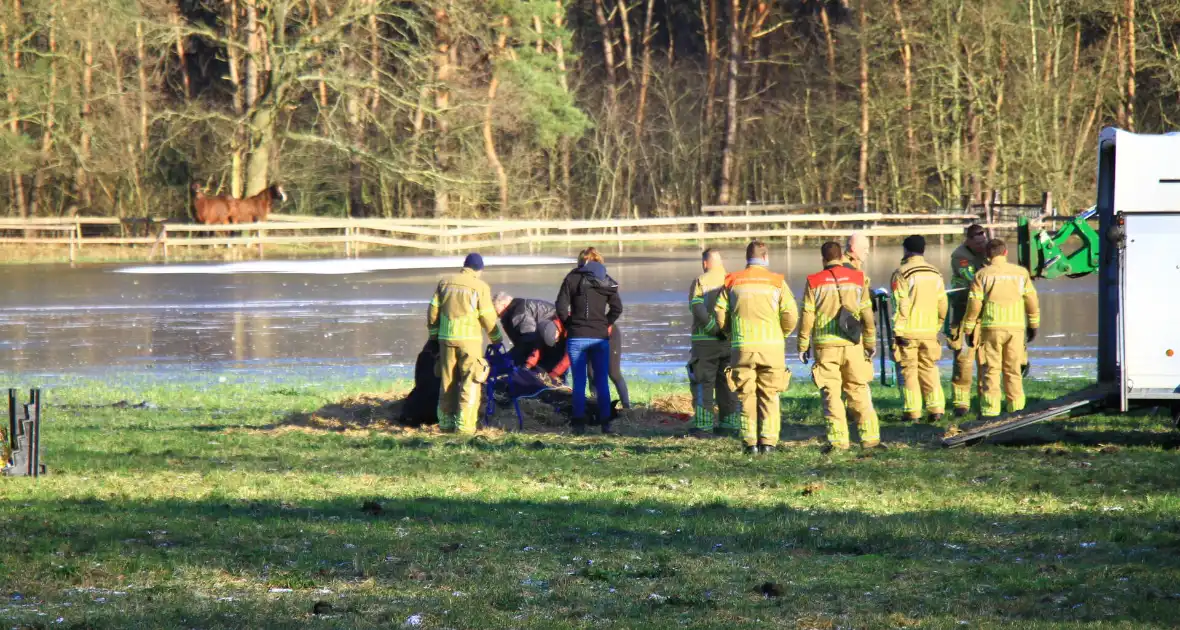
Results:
[452, 235]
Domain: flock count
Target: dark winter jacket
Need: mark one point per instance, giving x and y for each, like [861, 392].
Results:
[588, 302]
[523, 319]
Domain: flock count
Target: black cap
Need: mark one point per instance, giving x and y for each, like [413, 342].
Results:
[915, 244]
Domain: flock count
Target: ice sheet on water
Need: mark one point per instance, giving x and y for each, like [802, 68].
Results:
[343, 266]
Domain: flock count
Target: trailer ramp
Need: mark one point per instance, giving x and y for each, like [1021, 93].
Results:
[1066, 405]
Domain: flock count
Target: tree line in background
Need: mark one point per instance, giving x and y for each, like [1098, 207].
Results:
[569, 108]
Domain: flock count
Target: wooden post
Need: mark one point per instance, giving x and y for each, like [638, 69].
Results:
[78, 231]
[164, 238]
[618, 233]
[347, 242]
[261, 239]
[73, 237]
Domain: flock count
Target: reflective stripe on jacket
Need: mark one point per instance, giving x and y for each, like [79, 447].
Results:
[1002, 297]
[461, 310]
[828, 290]
[919, 298]
[702, 300]
[757, 308]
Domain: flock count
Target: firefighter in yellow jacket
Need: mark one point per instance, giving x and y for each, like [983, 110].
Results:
[842, 364]
[920, 305]
[758, 311]
[966, 261]
[708, 362]
[1002, 317]
[460, 313]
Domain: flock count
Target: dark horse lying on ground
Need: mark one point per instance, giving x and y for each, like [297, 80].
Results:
[223, 209]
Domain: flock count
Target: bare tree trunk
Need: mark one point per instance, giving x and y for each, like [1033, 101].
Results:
[608, 56]
[141, 66]
[563, 146]
[489, 140]
[253, 49]
[174, 17]
[321, 86]
[1131, 65]
[374, 60]
[81, 183]
[13, 51]
[1082, 138]
[445, 59]
[862, 178]
[998, 127]
[907, 60]
[644, 70]
[625, 20]
[731, 102]
[1121, 111]
[235, 76]
[830, 180]
[39, 204]
[709, 19]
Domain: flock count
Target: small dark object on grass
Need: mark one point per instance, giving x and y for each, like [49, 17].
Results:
[372, 508]
[1109, 449]
[811, 489]
[450, 547]
[321, 608]
[770, 589]
[1056, 452]
[537, 445]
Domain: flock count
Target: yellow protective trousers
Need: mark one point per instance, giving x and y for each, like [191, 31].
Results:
[463, 371]
[846, 370]
[963, 373]
[757, 377]
[918, 362]
[714, 403]
[1001, 353]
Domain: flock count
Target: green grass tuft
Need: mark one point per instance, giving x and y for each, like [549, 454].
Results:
[217, 507]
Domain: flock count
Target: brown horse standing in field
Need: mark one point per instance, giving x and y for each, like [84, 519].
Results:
[255, 209]
[209, 210]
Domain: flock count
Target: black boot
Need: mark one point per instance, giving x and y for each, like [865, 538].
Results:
[767, 449]
[751, 450]
[578, 425]
[961, 411]
[935, 418]
[607, 430]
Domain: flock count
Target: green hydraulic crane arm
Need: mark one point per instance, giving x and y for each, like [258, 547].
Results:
[1043, 253]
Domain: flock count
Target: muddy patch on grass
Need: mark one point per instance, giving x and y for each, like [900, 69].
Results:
[382, 411]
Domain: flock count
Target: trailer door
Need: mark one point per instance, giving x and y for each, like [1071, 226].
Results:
[1150, 313]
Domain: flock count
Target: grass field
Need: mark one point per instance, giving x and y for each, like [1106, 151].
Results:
[223, 507]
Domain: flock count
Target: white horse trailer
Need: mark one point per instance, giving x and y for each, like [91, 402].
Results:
[1139, 273]
[1138, 211]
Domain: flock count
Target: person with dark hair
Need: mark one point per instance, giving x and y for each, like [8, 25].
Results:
[588, 304]
[757, 310]
[709, 357]
[838, 320]
[535, 333]
[966, 261]
[920, 305]
[590, 254]
[1003, 305]
[460, 313]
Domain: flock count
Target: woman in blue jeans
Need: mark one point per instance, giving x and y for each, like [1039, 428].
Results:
[588, 304]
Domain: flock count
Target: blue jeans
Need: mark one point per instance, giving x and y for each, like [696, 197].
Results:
[583, 351]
